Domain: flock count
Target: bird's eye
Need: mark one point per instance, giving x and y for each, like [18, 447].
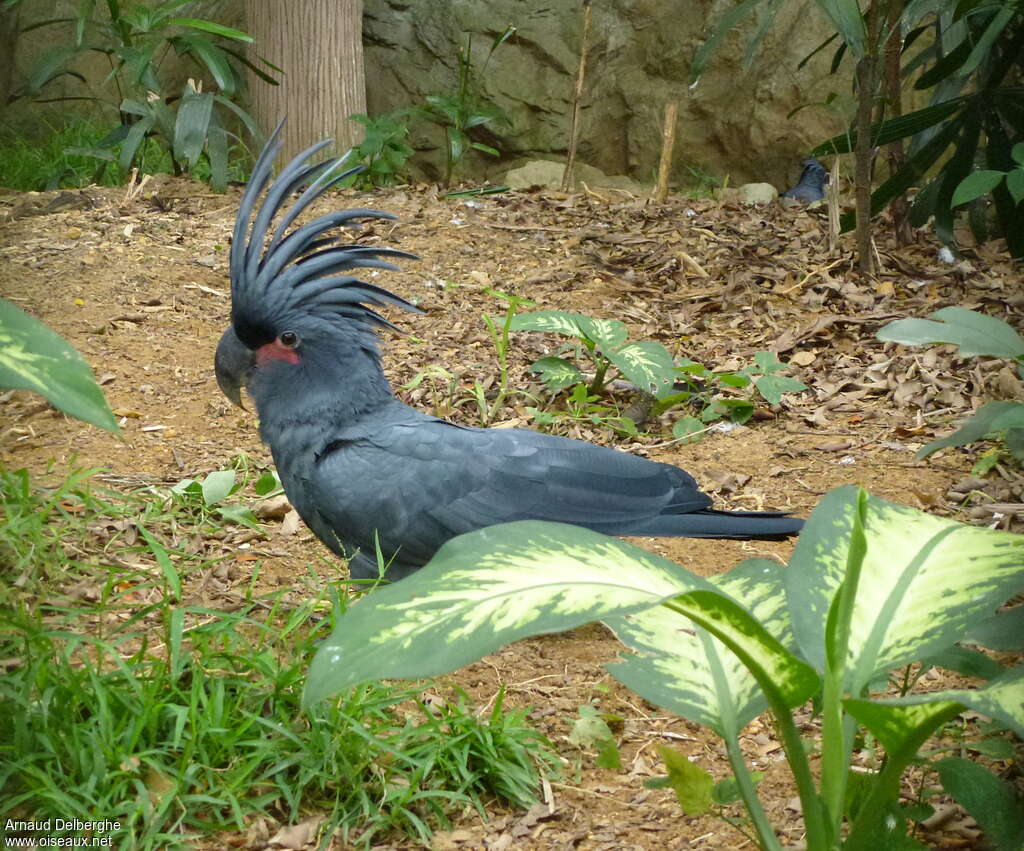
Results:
[289, 339]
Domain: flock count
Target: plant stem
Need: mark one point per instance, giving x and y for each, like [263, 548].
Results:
[668, 141]
[905, 685]
[891, 98]
[581, 73]
[818, 836]
[765, 831]
[836, 728]
[500, 339]
[600, 368]
[449, 165]
[729, 732]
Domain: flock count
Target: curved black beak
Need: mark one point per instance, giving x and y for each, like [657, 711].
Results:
[232, 364]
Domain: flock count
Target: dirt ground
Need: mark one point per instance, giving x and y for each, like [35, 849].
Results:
[139, 285]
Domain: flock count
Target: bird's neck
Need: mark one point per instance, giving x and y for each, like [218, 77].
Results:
[321, 393]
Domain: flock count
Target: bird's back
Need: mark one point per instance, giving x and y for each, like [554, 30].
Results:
[408, 482]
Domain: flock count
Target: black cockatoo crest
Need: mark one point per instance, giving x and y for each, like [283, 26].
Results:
[280, 278]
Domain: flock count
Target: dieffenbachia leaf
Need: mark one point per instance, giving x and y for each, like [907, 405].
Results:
[902, 730]
[683, 669]
[904, 724]
[924, 583]
[648, 365]
[1002, 631]
[558, 322]
[484, 590]
[965, 661]
[1001, 698]
[32, 357]
[607, 333]
[557, 373]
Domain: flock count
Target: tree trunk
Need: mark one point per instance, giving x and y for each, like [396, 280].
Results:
[867, 81]
[893, 99]
[318, 45]
[8, 43]
[862, 162]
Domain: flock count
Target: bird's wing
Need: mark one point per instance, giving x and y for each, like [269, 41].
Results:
[417, 484]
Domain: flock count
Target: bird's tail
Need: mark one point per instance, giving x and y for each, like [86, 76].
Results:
[762, 525]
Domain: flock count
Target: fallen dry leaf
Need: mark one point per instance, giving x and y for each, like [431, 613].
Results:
[834, 446]
[275, 508]
[291, 524]
[296, 837]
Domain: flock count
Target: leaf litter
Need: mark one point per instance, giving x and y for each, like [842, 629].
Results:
[138, 284]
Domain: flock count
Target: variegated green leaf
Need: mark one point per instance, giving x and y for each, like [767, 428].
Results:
[904, 724]
[607, 333]
[683, 669]
[484, 590]
[784, 678]
[557, 373]
[1001, 698]
[32, 357]
[1003, 631]
[924, 583]
[552, 321]
[648, 365]
[902, 730]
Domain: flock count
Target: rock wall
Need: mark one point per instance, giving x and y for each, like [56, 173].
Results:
[734, 123]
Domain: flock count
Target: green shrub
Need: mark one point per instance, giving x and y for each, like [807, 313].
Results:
[136, 38]
[871, 587]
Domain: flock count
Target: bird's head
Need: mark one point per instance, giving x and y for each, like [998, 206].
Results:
[289, 306]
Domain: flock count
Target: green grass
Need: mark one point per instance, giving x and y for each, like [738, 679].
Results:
[42, 162]
[125, 697]
[702, 183]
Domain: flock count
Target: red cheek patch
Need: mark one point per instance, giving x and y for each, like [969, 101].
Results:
[275, 351]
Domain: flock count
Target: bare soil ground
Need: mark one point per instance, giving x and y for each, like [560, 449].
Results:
[138, 285]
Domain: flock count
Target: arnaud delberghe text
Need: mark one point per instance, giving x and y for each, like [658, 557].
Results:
[60, 825]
